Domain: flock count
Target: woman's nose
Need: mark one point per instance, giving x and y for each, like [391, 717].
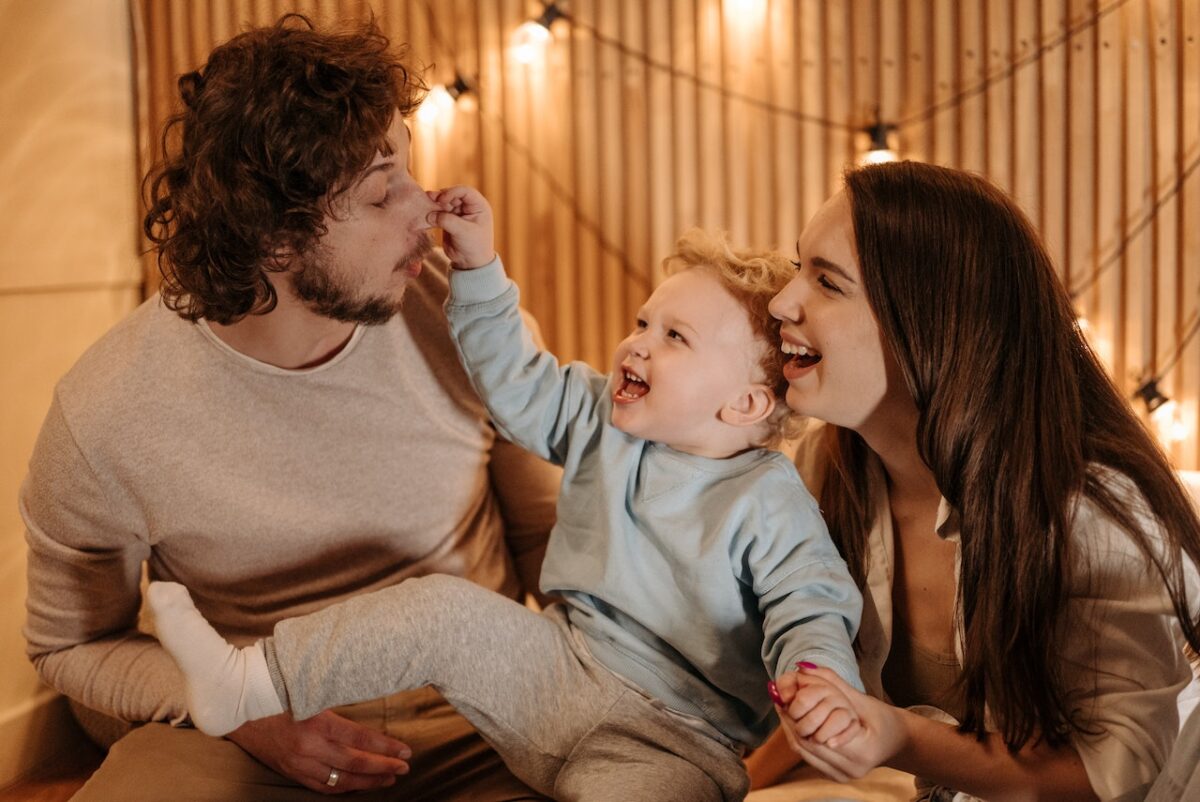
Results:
[786, 303]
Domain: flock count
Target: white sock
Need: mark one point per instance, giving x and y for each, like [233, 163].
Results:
[226, 686]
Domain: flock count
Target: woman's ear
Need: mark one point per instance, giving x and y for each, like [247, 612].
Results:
[750, 407]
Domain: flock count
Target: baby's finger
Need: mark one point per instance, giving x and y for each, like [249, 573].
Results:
[835, 725]
[806, 698]
[809, 723]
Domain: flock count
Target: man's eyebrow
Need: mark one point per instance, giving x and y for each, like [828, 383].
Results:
[832, 267]
[386, 164]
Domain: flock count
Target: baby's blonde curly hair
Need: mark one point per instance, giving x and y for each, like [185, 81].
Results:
[753, 278]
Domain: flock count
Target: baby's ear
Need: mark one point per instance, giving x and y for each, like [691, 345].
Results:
[750, 407]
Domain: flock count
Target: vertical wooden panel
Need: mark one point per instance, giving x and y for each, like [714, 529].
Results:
[919, 88]
[783, 205]
[1187, 213]
[973, 110]
[660, 174]
[1051, 141]
[1025, 118]
[635, 163]
[946, 82]
[1164, 308]
[562, 326]
[999, 94]
[1138, 271]
[710, 116]
[1082, 258]
[838, 88]
[515, 203]
[612, 189]
[814, 98]
[1108, 217]
[685, 160]
[586, 71]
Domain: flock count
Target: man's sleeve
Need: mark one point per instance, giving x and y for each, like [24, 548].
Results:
[84, 572]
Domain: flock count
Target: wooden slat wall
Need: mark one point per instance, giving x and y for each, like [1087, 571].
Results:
[649, 116]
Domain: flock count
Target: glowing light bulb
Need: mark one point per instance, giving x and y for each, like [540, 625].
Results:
[880, 149]
[878, 156]
[746, 14]
[529, 42]
[438, 104]
[1169, 423]
[1100, 344]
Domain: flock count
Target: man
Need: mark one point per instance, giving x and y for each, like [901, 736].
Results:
[277, 432]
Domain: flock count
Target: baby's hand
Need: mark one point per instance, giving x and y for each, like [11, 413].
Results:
[465, 218]
[818, 711]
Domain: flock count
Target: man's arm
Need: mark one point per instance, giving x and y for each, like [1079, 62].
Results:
[84, 572]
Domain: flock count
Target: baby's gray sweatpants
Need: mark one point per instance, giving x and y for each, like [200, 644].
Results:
[562, 722]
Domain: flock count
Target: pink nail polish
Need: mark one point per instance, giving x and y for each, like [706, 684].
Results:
[804, 664]
[773, 692]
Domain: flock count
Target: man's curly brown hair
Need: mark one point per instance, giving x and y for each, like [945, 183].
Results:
[278, 122]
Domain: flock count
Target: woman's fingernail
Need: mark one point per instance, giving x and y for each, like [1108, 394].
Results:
[806, 664]
[773, 692]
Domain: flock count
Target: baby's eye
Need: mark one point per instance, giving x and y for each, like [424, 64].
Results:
[641, 324]
[674, 335]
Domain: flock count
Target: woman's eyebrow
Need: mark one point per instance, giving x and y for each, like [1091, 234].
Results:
[832, 267]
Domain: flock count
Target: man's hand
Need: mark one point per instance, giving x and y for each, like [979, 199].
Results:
[305, 751]
[465, 219]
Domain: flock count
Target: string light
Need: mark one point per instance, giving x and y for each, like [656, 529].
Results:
[438, 105]
[880, 149]
[530, 39]
[1168, 422]
[442, 99]
[1151, 396]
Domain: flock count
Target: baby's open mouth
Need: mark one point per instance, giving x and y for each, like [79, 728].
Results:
[632, 386]
[802, 355]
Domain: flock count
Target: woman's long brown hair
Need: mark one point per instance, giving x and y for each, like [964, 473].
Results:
[1015, 414]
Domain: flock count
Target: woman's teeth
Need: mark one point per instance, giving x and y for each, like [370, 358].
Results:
[803, 354]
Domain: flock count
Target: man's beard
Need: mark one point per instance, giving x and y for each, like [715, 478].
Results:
[318, 284]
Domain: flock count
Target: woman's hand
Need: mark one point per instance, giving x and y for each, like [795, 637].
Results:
[876, 736]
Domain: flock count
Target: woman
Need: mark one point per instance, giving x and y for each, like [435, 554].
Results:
[1018, 536]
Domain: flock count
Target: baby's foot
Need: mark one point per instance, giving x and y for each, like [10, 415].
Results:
[226, 686]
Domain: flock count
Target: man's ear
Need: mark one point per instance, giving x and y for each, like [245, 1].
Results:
[750, 407]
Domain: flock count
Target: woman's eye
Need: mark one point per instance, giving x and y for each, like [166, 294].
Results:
[829, 285]
[384, 202]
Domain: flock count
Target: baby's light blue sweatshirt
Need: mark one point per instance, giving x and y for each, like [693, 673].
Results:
[697, 579]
